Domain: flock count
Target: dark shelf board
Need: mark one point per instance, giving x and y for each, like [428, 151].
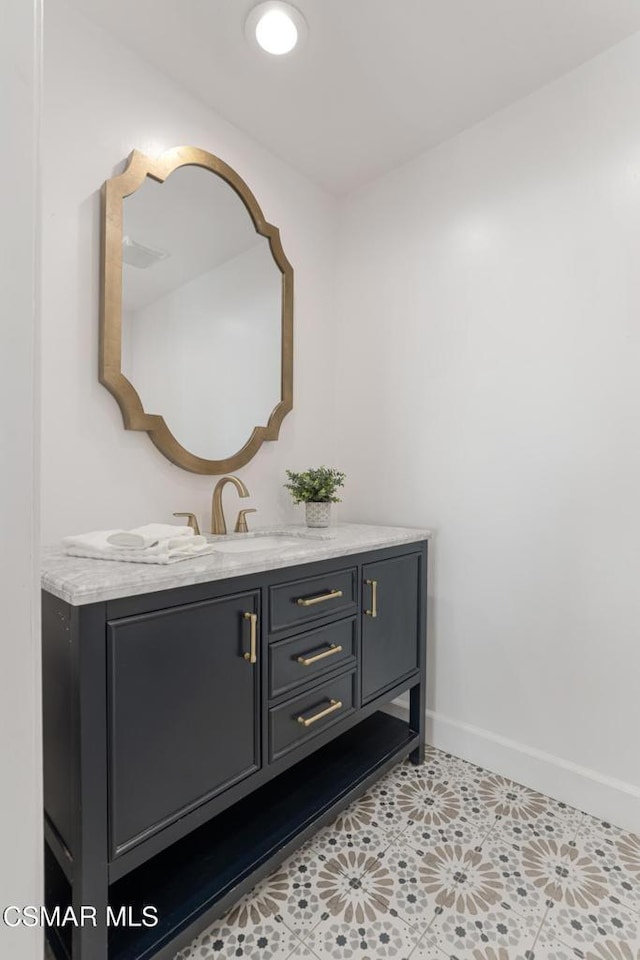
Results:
[198, 877]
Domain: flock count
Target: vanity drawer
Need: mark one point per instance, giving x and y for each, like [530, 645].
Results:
[299, 601]
[303, 658]
[305, 716]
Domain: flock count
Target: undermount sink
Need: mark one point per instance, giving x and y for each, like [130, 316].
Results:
[255, 544]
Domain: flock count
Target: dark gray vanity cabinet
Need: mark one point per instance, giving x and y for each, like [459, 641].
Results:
[183, 706]
[194, 737]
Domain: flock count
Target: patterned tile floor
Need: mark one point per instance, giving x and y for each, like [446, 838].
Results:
[444, 860]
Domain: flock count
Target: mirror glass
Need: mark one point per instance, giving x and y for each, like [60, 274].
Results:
[201, 311]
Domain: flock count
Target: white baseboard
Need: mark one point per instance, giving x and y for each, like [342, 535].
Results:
[601, 796]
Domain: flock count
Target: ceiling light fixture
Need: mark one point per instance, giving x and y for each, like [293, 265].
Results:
[276, 27]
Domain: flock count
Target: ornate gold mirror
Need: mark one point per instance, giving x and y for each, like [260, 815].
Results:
[196, 326]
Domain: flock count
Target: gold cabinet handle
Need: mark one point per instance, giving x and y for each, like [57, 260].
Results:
[252, 656]
[374, 598]
[310, 601]
[333, 706]
[307, 661]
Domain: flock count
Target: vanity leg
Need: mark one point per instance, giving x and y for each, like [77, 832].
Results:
[90, 888]
[417, 719]
[418, 694]
[90, 892]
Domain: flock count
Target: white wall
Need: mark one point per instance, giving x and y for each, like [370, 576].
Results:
[20, 739]
[100, 101]
[489, 386]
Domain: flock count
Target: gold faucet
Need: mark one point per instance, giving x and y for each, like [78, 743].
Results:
[192, 521]
[218, 524]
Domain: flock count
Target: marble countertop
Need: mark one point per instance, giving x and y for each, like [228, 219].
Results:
[79, 581]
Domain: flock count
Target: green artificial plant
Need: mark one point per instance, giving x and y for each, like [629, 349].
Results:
[316, 485]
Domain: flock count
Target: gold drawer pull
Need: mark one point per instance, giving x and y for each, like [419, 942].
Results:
[252, 656]
[373, 613]
[333, 706]
[307, 661]
[332, 595]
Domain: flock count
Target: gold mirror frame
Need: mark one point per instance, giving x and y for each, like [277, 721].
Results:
[114, 192]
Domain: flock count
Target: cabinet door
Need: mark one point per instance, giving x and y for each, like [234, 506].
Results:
[183, 704]
[390, 623]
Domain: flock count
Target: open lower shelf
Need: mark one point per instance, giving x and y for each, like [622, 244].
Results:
[200, 875]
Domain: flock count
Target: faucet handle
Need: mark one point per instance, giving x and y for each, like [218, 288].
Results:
[192, 521]
[241, 521]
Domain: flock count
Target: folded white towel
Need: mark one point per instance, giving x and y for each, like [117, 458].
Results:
[180, 545]
[97, 540]
[167, 551]
[140, 538]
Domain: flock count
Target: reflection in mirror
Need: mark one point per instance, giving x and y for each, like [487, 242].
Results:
[202, 356]
[201, 311]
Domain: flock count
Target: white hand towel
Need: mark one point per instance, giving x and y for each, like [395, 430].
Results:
[97, 540]
[141, 538]
[169, 551]
[180, 545]
[177, 545]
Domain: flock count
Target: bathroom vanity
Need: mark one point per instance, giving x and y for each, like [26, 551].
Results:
[202, 720]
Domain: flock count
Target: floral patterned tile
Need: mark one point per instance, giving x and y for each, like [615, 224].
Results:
[270, 940]
[499, 929]
[407, 894]
[597, 828]
[585, 913]
[628, 851]
[444, 811]
[358, 828]
[564, 875]
[461, 878]
[437, 765]
[302, 952]
[373, 840]
[426, 949]
[350, 887]
[617, 854]
[518, 867]
[422, 837]
[585, 927]
[290, 893]
[388, 813]
[555, 824]
[445, 877]
[381, 939]
[548, 947]
[355, 887]
[498, 953]
[474, 808]
[522, 813]
[428, 800]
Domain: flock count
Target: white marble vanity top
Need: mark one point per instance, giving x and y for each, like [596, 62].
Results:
[80, 581]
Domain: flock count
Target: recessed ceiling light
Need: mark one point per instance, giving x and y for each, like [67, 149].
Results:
[276, 27]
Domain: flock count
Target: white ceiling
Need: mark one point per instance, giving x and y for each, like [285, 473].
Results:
[378, 81]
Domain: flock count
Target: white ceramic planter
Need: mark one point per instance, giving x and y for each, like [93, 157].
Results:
[318, 514]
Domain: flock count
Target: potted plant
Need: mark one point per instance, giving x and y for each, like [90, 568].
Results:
[316, 488]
